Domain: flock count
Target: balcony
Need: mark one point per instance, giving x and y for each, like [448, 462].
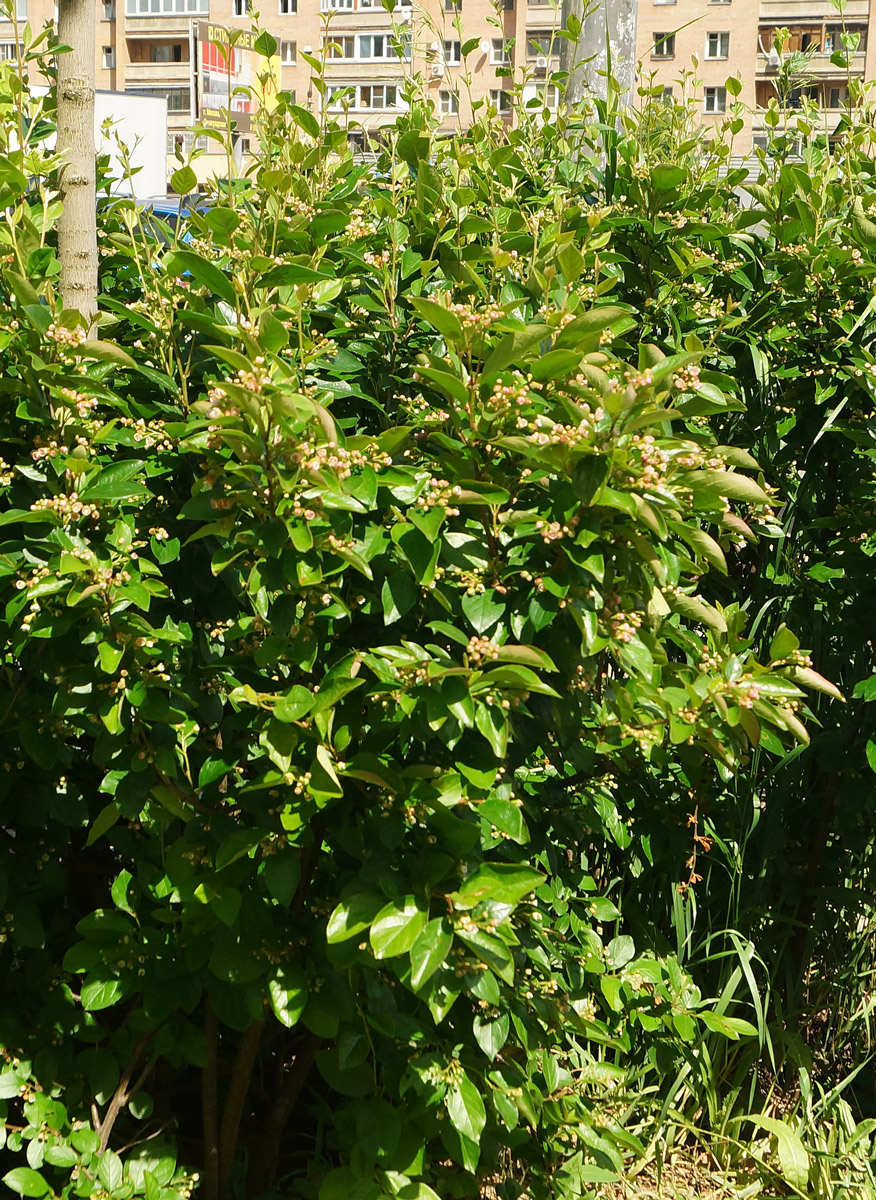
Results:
[829, 118]
[819, 66]
[146, 18]
[787, 12]
[158, 74]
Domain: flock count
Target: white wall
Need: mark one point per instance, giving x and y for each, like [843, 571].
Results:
[140, 123]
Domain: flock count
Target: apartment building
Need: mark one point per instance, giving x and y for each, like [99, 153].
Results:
[466, 52]
[691, 47]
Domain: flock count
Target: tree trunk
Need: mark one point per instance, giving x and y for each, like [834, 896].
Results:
[77, 226]
[608, 40]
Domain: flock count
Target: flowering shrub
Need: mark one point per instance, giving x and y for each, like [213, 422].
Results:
[354, 579]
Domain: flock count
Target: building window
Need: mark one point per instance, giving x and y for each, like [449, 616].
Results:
[287, 8]
[21, 10]
[335, 5]
[500, 54]
[178, 99]
[547, 95]
[452, 53]
[376, 45]
[289, 53]
[339, 96]
[717, 45]
[837, 97]
[9, 51]
[108, 58]
[667, 95]
[715, 100]
[109, 10]
[500, 100]
[342, 47]
[664, 1]
[241, 8]
[448, 103]
[377, 96]
[171, 52]
[453, 6]
[167, 8]
[664, 45]
[539, 45]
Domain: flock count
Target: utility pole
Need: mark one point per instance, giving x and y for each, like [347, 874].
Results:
[608, 40]
[77, 225]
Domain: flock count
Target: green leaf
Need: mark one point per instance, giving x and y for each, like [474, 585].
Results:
[805, 677]
[516, 347]
[430, 951]
[282, 876]
[726, 483]
[667, 176]
[439, 317]
[110, 1171]
[483, 610]
[396, 927]
[491, 950]
[101, 993]
[187, 262]
[731, 1027]
[26, 1182]
[502, 883]
[491, 1036]
[184, 181]
[696, 610]
[236, 845]
[466, 1109]
[107, 352]
[784, 643]
[793, 1158]
[104, 821]
[304, 120]
[398, 596]
[353, 915]
[378, 1128]
[287, 991]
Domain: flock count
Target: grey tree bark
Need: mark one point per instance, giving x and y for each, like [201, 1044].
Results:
[607, 28]
[77, 227]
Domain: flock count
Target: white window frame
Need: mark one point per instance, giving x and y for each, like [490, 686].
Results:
[287, 8]
[337, 47]
[718, 98]
[663, 45]
[448, 102]
[378, 89]
[721, 43]
[500, 54]
[108, 58]
[501, 101]
[109, 10]
[548, 95]
[167, 8]
[240, 8]
[452, 52]
[540, 44]
[288, 53]
[369, 40]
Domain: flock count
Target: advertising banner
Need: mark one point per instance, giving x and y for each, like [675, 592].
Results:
[228, 61]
